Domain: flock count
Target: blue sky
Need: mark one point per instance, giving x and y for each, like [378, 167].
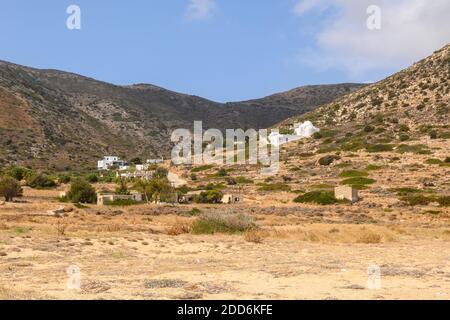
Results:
[224, 50]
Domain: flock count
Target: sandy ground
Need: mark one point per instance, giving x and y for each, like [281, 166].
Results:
[129, 254]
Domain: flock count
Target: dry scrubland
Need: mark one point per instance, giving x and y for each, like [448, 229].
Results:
[389, 139]
[295, 250]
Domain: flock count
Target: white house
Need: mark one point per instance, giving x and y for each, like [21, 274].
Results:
[109, 161]
[305, 130]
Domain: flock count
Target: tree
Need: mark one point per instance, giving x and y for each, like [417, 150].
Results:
[18, 173]
[122, 187]
[143, 186]
[81, 192]
[40, 181]
[155, 189]
[10, 188]
[160, 187]
[210, 196]
[160, 173]
[92, 178]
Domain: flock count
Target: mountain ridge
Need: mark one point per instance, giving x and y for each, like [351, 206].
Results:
[72, 119]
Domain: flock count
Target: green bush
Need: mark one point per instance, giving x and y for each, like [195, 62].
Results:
[403, 137]
[244, 180]
[433, 161]
[92, 178]
[373, 167]
[417, 200]
[201, 168]
[18, 173]
[122, 203]
[405, 191]
[433, 134]
[81, 192]
[353, 173]
[222, 223]
[444, 201]
[10, 188]
[209, 196]
[358, 182]
[379, 148]
[273, 187]
[321, 197]
[221, 173]
[40, 181]
[62, 178]
[317, 135]
[416, 148]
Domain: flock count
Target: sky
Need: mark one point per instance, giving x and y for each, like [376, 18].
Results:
[225, 50]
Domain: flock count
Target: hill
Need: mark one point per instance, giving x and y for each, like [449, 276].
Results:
[61, 120]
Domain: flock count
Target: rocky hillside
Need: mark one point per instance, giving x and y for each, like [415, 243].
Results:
[407, 105]
[59, 120]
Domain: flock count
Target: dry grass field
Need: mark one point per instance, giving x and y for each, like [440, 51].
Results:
[298, 252]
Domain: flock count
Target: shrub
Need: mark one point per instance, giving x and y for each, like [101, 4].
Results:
[9, 188]
[403, 137]
[358, 182]
[353, 173]
[81, 192]
[405, 191]
[379, 148]
[223, 223]
[373, 167]
[92, 178]
[40, 181]
[416, 148]
[63, 178]
[201, 168]
[318, 197]
[317, 135]
[417, 200]
[433, 161]
[209, 196]
[123, 203]
[222, 173]
[433, 134]
[444, 201]
[122, 188]
[243, 180]
[273, 187]
[18, 173]
[369, 128]
[447, 160]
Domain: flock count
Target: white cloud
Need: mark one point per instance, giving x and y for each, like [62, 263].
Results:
[200, 10]
[410, 30]
[306, 5]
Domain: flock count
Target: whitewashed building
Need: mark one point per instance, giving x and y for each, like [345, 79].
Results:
[108, 161]
[301, 130]
[305, 130]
